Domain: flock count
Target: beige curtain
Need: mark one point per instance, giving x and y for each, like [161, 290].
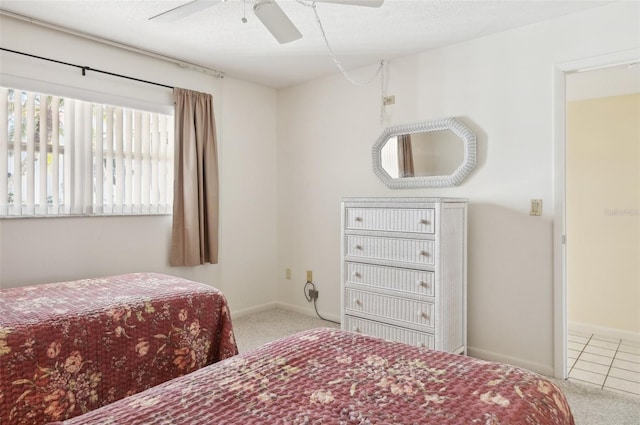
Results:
[194, 238]
[405, 156]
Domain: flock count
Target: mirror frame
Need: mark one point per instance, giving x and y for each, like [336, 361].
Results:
[454, 179]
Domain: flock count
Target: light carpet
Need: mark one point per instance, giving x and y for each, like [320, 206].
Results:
[589, 405]
[256, 329]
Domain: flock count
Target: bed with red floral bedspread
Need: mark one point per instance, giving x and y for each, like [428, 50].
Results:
[329, 376]
[70, 347]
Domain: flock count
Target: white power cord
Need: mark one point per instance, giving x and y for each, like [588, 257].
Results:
[344, 72]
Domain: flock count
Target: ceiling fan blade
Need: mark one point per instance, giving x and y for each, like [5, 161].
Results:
[368, 3]
[183, 10]
[275, 20]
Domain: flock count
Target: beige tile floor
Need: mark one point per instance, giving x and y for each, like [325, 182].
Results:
[610, 363]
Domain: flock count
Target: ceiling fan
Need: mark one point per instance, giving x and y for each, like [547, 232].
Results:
[267, 11]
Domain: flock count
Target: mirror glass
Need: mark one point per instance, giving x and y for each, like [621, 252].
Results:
[429, 154]
[434, 153]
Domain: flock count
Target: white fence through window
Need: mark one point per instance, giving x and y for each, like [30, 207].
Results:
[61, 156]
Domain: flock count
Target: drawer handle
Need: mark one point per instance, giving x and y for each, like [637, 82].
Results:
[424, 221]
[422, 344]
[356, 329]
[422, 284]
[356, 274]
[358, 302]
[423, 253]
[423, 315]
[357, 247]
[358, 219]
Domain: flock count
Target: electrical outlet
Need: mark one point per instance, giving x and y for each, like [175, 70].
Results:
[389, 100]
[309, 276]
[536, 207]
[313, 294]
[287, 274]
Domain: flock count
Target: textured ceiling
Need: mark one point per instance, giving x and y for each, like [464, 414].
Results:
[217, 38]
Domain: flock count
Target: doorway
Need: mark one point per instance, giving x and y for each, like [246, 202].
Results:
[602, 195]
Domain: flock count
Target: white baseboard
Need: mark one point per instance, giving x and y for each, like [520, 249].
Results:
[497, 357]
[306, 311]
[257, 309]
[473, 352]
[604, 331]
[284, 306]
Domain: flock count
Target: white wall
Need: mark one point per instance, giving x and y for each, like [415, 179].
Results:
[603, 225]
[500, 86]
[52, 249]
[280, 195]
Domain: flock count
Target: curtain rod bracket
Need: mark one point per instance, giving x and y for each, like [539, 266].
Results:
[84, 70]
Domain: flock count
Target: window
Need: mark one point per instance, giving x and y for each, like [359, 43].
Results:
[62, 156]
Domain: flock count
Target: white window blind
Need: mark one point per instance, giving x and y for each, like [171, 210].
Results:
[62, 156]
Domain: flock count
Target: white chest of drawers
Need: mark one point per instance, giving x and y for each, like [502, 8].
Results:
[404, 270]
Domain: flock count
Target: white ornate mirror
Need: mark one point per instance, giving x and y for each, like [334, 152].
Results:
[438, 153]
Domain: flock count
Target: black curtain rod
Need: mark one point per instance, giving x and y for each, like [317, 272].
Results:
[86, 68]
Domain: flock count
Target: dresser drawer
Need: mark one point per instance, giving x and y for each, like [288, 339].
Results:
[391, 219]
[388, 332]
[391, 249]
[386, 307]
[415, 282]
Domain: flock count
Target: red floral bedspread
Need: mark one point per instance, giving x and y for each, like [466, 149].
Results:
[329, 376]
[71, 347]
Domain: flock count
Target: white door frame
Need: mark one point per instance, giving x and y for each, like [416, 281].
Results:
[559, 226]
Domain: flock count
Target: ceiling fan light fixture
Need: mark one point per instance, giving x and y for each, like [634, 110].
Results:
[276, 21]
